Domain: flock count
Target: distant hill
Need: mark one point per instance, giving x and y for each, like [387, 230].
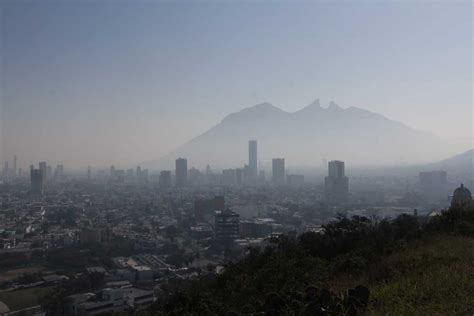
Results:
[462, 163]
[307, 137]
[459, 167]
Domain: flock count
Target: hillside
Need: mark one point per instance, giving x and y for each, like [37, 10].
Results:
[457, 165]
[408, 266]
[307, 137]
[432, 276]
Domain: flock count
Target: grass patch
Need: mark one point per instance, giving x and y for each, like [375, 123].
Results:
[434, 276]
[20, 299]
[12, 274]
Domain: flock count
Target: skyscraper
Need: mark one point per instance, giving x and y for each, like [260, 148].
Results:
[43, 166]
[336, 184]
[181, 172]
[278, 170]
[36, 178]
[14, 166]
[165, 179]
[336, 168]
[253, 169]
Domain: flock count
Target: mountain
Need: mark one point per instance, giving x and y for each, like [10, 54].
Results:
[460, 166]
[307, 137]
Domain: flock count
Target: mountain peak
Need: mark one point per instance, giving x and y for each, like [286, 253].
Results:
[263, 106]
[314, 106]
[333, 106]
[313, 131]
[255, 112]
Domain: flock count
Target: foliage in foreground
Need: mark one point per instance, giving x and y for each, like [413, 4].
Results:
[350, 249]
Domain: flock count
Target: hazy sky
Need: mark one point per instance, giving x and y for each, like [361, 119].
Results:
[119, 82]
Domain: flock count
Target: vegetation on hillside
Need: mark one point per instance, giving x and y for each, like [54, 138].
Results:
[404, 263]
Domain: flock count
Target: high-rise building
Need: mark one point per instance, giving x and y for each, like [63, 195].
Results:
[336, 184]
[165, 179]
[278, 170]
[49, 172]
[43, 166]
[336, 169]
[14, 166]
[181, 172]
[253, 169]
[226, 226]
[36, 178]
[141, 175]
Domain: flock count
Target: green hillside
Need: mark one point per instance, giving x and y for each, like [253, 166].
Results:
[407, 266]
[432, 276]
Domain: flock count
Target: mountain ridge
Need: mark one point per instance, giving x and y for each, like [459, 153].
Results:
[311, 133]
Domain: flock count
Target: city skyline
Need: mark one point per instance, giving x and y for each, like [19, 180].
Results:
[236, 157]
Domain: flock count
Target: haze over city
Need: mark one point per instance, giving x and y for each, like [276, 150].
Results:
[236, 158]
[122, 83]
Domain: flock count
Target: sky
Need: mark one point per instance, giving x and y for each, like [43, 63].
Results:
[121, 82]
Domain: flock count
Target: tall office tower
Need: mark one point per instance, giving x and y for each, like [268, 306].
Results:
[14, 166]
[181, 172]
[278, 170]
[43, 166]
[226, 226]
[434, 185]
[336, 168]
[165, 179]
[88, 172]
[253, 169]
[336, 184]
[36, 178]
[49, 171]
[141, 175]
